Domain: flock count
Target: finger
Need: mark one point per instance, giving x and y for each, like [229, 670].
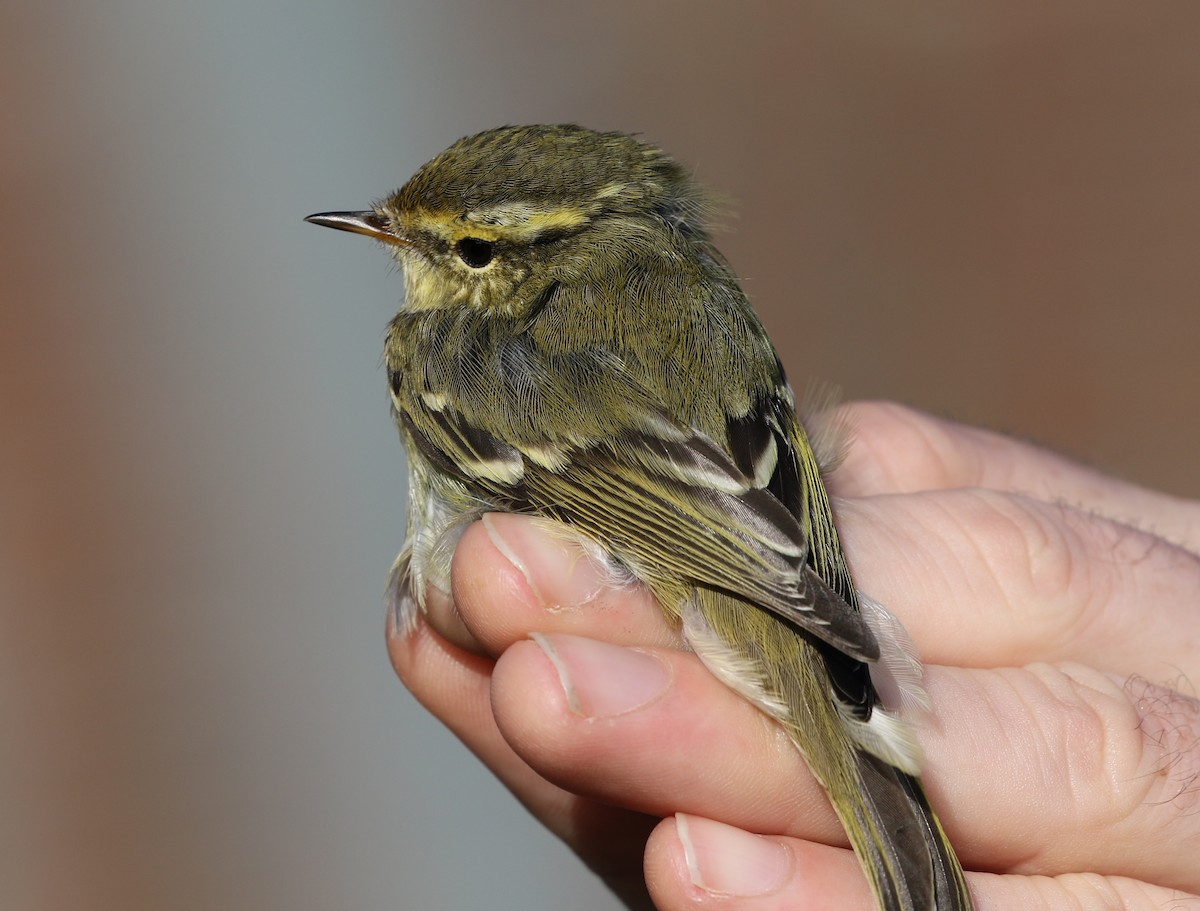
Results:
[1060, 768]
[979, 579]
[546, 580]
[695, 862]
[894, 449]
[627, 726]
[692, 862]
[1042, 770]
[455, 686]
[985, 579]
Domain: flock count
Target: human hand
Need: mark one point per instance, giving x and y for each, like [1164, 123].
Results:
[1054, 609]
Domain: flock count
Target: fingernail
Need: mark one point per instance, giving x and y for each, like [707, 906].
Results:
[602, 680]
[727, 861]
[559, 573]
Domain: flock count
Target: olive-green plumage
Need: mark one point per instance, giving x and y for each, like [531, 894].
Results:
[572, 345]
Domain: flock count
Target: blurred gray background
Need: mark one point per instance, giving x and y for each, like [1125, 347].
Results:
[990, 210]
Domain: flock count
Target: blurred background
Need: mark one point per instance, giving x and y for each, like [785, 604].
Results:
[991, 211]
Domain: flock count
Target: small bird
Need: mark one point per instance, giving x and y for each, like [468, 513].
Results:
[572, 345]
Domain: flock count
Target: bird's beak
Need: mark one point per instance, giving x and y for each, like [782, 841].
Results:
[370, 223]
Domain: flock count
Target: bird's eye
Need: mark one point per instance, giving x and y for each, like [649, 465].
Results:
[475, 251]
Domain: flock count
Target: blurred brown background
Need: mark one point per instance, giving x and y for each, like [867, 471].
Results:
[991, 211]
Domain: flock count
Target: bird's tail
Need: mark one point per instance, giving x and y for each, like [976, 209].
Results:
[907, 858]
[899, 840]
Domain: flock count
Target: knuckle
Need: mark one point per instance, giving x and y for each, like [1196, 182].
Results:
[1049, 554]
[1085, 745]
[894, 435]
[1124, 755]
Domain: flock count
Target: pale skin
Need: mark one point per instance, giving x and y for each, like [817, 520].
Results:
[1058, 615]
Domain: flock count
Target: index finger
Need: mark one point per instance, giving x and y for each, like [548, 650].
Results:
[896, 449]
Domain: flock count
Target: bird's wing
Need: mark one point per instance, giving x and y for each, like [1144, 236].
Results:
[670, 502]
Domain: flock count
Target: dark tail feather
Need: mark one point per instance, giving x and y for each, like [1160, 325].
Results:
[898, 839]
[904, 850]
[950, 887]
